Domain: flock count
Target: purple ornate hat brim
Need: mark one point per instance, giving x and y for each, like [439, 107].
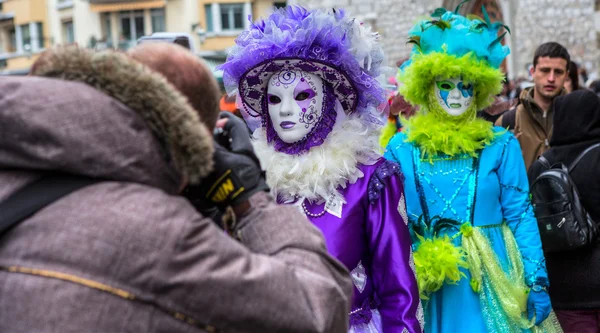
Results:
[253, 84]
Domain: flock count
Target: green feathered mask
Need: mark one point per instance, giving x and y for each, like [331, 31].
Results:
[452, 46]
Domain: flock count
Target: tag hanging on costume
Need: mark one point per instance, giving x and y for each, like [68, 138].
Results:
[334, 206]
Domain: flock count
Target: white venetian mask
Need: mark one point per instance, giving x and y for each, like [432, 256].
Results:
[295, 103]
[454, 95]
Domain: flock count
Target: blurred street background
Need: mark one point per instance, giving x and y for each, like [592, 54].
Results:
[29, 26]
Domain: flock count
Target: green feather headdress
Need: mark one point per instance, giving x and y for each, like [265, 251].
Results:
[451, 45]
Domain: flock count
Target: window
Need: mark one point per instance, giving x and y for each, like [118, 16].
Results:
[26, 37]
[158, 20]
[132, 25]
[232, 16]
[209, 19]
[126, 28]
[40, 34]
[12, 37]
[62, 4]
[69, 33]
[279, 4]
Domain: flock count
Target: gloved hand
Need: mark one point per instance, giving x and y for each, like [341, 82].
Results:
[538, 304]
[237, 174]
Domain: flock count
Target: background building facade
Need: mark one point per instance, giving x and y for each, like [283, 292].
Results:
[28, 26]
[573, 23]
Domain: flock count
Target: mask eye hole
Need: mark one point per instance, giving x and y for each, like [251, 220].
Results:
[274, 99]
[304, 95]
[445, 85]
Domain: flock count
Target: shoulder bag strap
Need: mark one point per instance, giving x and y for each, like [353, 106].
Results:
[544, 162]
[574, 164]
[37, 195]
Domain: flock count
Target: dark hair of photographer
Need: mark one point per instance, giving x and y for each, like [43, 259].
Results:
[197, 84]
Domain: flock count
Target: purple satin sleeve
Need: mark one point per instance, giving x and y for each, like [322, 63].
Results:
[389, 241]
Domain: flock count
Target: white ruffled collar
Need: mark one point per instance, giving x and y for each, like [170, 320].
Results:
[320, 173]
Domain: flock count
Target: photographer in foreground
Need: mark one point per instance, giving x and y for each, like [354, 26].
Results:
[127, 252]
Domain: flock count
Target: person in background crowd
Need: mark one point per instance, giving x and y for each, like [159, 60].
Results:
[572, 81]
[575, 275]
[310, 75]
[129, 253]
[531, 120]
[595, 87]
[399, 109]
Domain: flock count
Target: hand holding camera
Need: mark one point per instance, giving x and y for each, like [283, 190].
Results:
[237, 173]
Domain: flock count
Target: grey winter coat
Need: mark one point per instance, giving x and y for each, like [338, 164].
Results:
[128, 254]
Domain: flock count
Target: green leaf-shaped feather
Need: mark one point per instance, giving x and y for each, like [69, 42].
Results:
[497, 25]
[442, 24]
[414, 40]
[481, 25]
[486, 16]
[459, 5]
[496, 41]
[474, 17]
[438, 12]
[440, 224]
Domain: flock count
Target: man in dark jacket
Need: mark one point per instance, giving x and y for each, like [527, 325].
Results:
[575, 276]
[128, 253]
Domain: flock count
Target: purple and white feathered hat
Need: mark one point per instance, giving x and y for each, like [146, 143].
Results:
[341, 51]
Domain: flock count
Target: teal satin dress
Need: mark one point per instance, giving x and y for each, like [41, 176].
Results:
[486, 191]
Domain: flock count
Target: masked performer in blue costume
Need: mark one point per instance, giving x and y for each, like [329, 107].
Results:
[477, 250]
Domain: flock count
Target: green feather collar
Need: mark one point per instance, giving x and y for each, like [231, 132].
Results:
[436, 135]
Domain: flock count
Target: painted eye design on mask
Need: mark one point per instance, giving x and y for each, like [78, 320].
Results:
[466, 89]
[304, 95]
[445, 85]
[273, 99]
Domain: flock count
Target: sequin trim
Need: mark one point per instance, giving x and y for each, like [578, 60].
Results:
[359, 277]
[420, 313]
[469, 179]
[514, 188]
[402, 209]
[378, 180]
[363, 314]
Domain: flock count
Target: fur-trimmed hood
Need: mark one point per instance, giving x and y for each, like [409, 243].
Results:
[164, 110]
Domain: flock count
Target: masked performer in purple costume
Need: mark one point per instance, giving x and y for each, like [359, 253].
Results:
[309, 76]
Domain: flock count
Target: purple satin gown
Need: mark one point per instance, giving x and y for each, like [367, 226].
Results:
[373, 241]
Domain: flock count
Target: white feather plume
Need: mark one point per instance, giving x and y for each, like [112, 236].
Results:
[320, 173]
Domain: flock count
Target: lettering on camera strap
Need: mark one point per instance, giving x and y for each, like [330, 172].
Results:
[227, 186]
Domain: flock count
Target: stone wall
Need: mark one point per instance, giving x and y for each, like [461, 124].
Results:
[392, 18]
[568, 22]
[532, 22]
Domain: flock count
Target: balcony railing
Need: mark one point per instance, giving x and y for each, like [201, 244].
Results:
[6, 16]
[64, 4]
[126, 45]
